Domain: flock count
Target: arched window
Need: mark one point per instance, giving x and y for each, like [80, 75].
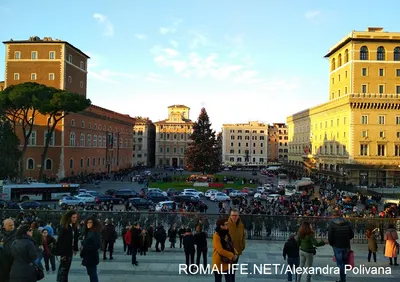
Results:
[340, 60]
[346, 56]
[333, 64]
[364, 53]
[396, 54]
[88, 162]
[30, 163]
[380, 54]
[71, 163]
[82, 163]
[48, 164]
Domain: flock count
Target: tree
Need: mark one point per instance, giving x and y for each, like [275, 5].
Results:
[202, 153]
[56, 105]
[20, 105]
[9, 149]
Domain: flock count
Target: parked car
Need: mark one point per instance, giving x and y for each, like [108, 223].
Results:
[156, 197]
[143, 192]
[179, 169]
[209, 193]
[227, 191]
[157, 190]
[273, 197]
[91, 192]
[261, 196]
[237, 194]
[220, 197]
[171, 192]
[192, 194]
[185, 199]
[70, 201]
[140, 203]
[126, 194]
[249, 191]
[110, 192]
[33, 205]
[198, 193]
[86, 198]
[102, 198]
[9, 205]
[160, 205]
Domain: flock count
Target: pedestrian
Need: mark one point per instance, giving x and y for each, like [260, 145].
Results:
[371, 235]
[200, 239]
[189, 247]
[172, 232]
[67, 243]
[127, 239]
[237, 233]
[109, 237]
[391, 245]
[292, 253]
[161, 236]
[150, 232]
[181, 233]
[6, 258]
[135, 242]
[90, 248]
[48, 243]
[144, 242]
[340, 233]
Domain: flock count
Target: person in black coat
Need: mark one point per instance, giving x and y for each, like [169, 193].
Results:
[135, 242]
[181, 233]
[150, 232]
[67, 243]
[6, 258]
[172, 232]
[291, 251]
[90, 247]
[189, 247]
[200, 239]
[109, 237]
[161, 236]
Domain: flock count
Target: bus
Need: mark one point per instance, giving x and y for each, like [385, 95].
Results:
[38, 191]
[282, 180]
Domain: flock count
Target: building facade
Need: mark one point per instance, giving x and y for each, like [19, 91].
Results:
[173, 137]
[95, 140]
[355, 136]
[278, 142]
[144, 138]
[245, 143]
[1, 85]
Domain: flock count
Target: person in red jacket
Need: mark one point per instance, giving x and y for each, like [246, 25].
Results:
[128, 240]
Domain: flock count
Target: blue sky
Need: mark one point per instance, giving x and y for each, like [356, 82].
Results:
[242, 60]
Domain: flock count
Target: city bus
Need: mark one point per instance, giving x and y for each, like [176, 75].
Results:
[37, 191]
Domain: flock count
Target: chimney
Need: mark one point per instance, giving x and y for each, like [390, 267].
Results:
[375, 29]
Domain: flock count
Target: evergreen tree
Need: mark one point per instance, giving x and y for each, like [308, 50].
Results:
[9, 150]
[202, 153]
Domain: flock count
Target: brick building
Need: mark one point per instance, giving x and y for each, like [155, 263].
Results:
[96, 140]
[278, 142]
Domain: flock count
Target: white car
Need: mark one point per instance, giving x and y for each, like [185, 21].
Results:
[237, 193]
[210, 193]
[220, 197]
[273, 197]
[192, 194]
[86, 198]
[157, 190]
[261, 196]
[179, 169]
[71, 201]
[198, 193]
[147, 173]
[160, 205]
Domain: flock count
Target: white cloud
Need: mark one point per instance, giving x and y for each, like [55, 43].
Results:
[167, 30]
[171, 52]
[140, 36]
[174, 43]
[107, 25]
[312, 15]
[199, 40]
[153, 77]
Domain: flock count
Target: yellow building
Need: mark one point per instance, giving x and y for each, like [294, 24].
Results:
[144, 142]
[356, 135]
[245, 143]
[173, 137]
[1, 85]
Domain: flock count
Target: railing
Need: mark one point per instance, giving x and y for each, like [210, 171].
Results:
[258, 227]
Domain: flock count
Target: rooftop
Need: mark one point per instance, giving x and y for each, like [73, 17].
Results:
[45, 40]
[179, 106]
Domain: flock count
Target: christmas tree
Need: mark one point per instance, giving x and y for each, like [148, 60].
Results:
[203, 151]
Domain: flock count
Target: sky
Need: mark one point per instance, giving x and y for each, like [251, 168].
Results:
[241, 60]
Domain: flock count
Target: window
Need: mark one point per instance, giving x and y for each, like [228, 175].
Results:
[397, 150]
[48, 164]
[94, 162]
[71, 163]
[397, 72]
[381, 120]
[34, 55]
[345, 90]
[381, 150]
[100, 141]
[30, 164]
[69, 79]
[398, 120]
[398, 134]
[94, 140]
[380, 53]
[83, 124]
[396, 54]
[364, 150]
[81, 84]
[340, 61]
[72, 139]
[70, 58]
[89, 140]
[380, 72]
[82, 163]
[381, 134]
[16, 76]
[52, 55]
[82, 65]
[32, 139]
[82, 141]
[364, 53]
[51, 76]
[364, 71]
[397, 89]
[346, 56]
[88, 162]
[364, 133]
[33, 76]
[17, 55]
[333, 64]
[364, 88]
[51, 143]
[72, 122]
[381, 89]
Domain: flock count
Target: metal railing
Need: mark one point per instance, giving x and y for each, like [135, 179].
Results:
[258, 227]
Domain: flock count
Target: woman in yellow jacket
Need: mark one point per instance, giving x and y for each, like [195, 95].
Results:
[224, 253]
